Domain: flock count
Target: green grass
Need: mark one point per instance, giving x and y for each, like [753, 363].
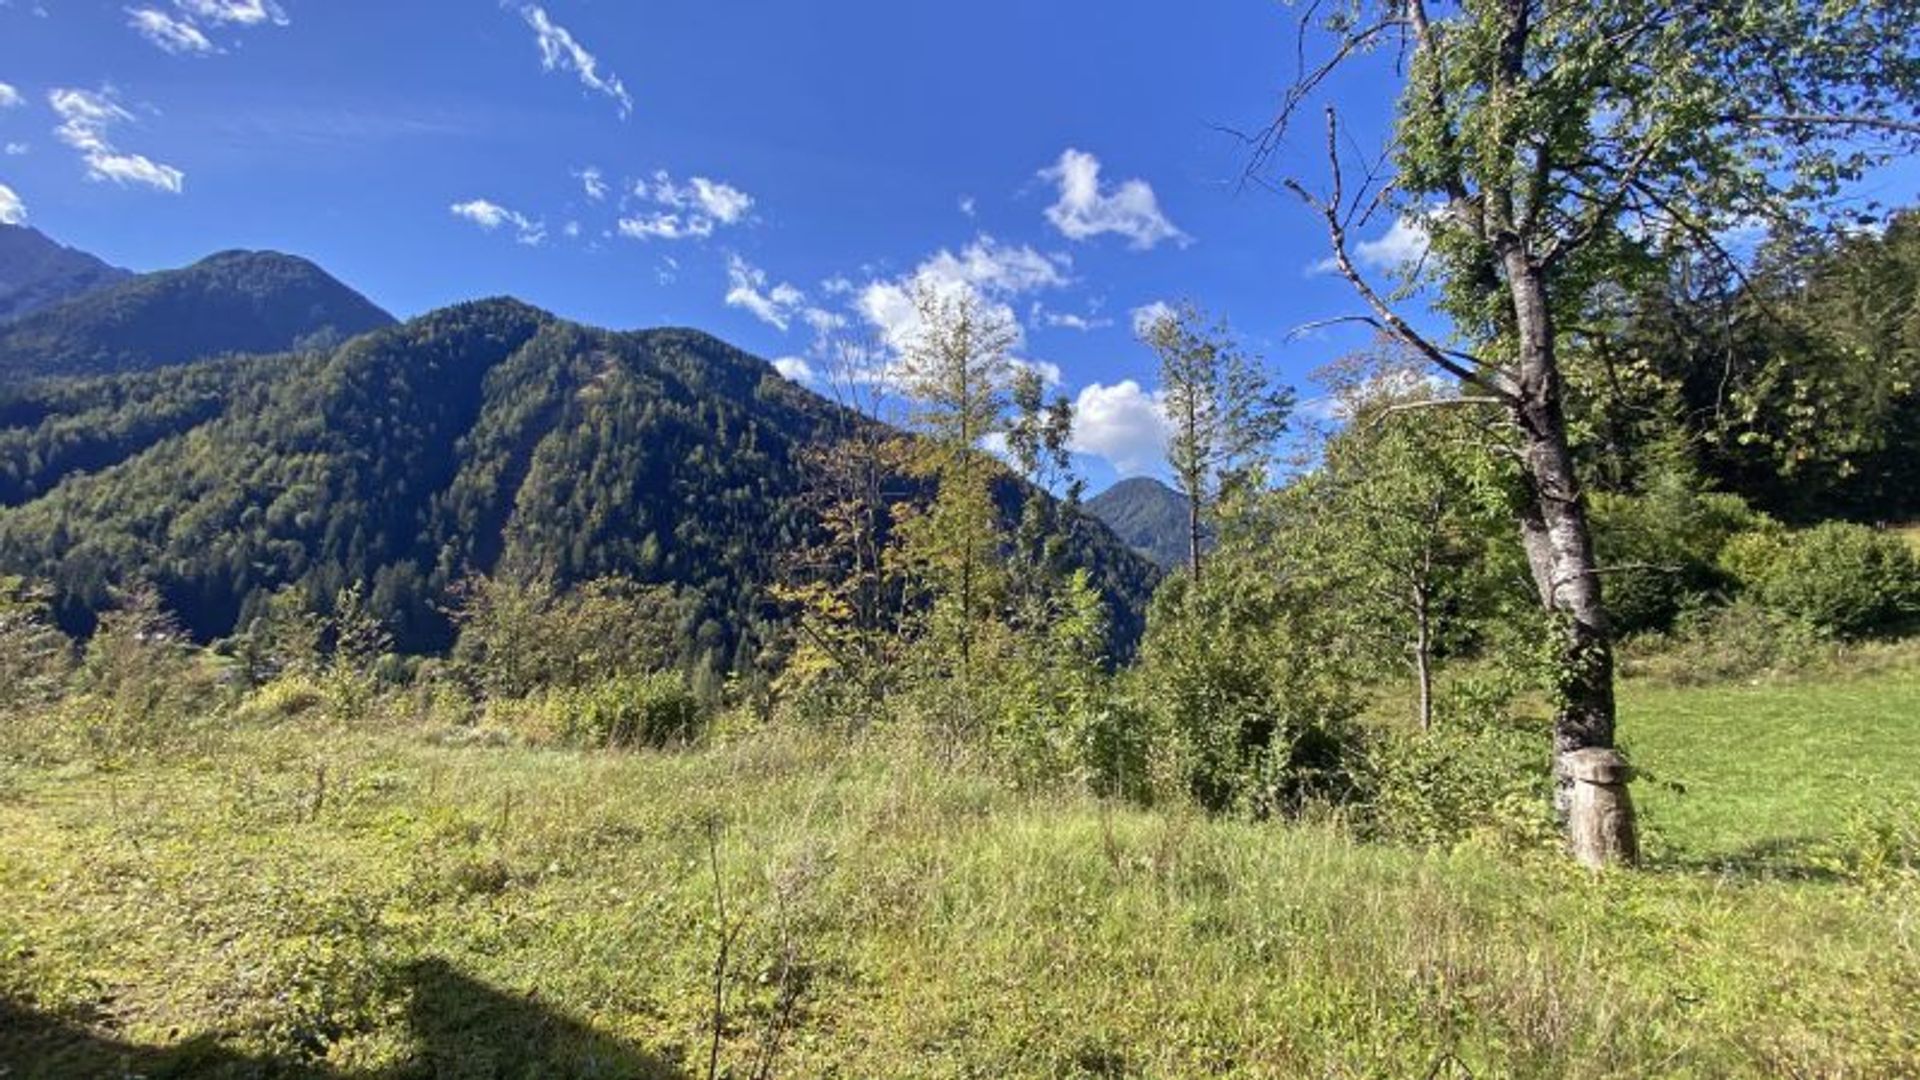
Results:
[1760, 775]
[317, 902]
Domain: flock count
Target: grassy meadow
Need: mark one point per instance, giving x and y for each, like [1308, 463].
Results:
[316, 901]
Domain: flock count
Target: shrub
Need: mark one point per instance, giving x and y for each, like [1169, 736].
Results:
[143, 686]
[632, 710]
[1479, 776]
[1715, 644]
[1666, 545]
[1251, 690]
[288, 697]
[1841, 579]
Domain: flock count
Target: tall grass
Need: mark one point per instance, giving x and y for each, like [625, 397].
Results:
[303, 895]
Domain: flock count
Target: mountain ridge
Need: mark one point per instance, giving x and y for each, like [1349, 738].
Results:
[231, 302]
[37, 271]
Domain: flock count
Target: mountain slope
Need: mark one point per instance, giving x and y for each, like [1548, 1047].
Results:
[1148, 516]
[36, 272]
[233, 302]
[485, 435]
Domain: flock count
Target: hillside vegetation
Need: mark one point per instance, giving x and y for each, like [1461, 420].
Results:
[489, 436]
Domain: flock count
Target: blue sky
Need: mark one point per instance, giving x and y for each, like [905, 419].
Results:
[827, 148]
[759, 169]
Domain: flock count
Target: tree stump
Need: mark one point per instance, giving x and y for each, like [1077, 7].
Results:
[1600, 811]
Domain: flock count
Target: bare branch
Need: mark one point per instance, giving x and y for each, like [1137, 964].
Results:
[1390, 321]
[1383, 414]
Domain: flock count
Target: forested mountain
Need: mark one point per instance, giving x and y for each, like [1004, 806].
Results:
[233, 302]
[36, 272]
[485, 435]
[1148, 516]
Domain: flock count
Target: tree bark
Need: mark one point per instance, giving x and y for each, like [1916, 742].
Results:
[1193, 533]
[1559, 546]
[1423, 655]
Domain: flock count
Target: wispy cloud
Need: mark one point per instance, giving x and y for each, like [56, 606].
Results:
[679, 211]
[1084, 210]
[1402, 245]
[9, 97]
[794, 368]
[592, 182]
[491, 215]
[177, 36]
[238, 12]
[560, 50]
[85, 120]
[12, 210]
[747, 289]
[181, 33]
[1148, 316]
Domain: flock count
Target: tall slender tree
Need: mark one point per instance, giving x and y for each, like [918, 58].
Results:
[1223, 412]
[1548, 148]
[957, 370]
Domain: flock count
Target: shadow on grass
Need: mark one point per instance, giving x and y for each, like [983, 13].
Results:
[462, 1029]
[1779, 858]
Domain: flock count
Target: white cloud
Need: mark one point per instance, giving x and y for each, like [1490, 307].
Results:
[665, 226]
[1401, 246]
[1148, 316]
[995, 268]
[993, 272]
[592, 182]
[559, 49]
[12, 210]
[968, 206]
[794, 368]
[1406, 242]
[85, 118]
[1066, 320]
[1084, 211]
[491, 215]
[723, 203]
[17, 149]
[693, 209]
[747, 288]
[178, 36]
[9, 97]
[1122, 423]
[241, 12]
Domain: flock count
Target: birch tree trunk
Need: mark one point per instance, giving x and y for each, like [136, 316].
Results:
[1559, 547]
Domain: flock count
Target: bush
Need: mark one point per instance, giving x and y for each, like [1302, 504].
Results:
[1717, 644]
[1666, 545]
[630, 710]
[1479, 776]
[1843, 580]
[1250, 690]
[143, 686]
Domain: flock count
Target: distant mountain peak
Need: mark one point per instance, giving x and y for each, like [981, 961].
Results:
[38, 272]
[230, 302]
[1148, 516]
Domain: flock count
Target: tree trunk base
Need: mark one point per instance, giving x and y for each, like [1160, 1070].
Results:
[1600, 824]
